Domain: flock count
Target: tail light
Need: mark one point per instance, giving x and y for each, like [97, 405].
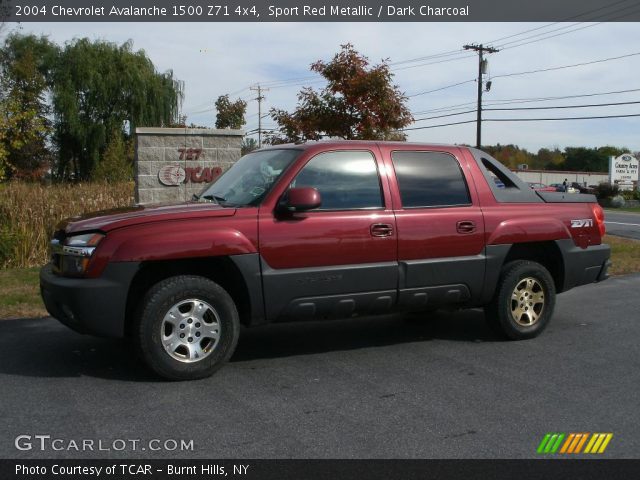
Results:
[598, 214]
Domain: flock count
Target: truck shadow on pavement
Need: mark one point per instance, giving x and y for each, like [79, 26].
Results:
[44, 348]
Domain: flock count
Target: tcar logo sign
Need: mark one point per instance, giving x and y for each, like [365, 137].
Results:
[171, 175]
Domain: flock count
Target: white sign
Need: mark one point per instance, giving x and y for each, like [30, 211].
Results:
[623, 171]
[171, 175]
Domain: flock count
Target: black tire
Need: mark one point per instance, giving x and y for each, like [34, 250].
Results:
[503, 310]
[202, 356]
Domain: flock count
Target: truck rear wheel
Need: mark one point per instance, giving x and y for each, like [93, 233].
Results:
[523, 302]
[187, 327]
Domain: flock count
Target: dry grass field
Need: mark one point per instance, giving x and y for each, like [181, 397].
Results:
[29, 213]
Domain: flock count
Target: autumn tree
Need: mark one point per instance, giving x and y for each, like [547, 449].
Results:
[24, 124]
[230, 114]
[359, 102]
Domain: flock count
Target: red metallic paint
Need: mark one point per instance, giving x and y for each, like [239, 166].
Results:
[325, 238]
[108, 220]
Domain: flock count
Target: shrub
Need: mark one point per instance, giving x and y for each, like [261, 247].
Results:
[617, 201]
[628, 194]
[605, 190]
[116, 164]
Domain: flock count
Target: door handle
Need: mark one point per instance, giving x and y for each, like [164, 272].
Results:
[381, 230]
[466, 226]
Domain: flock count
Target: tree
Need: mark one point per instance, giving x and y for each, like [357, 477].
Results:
[117, 162]
[585, 159]
[359, 102]
[248, 145]
[24, 124]
[98, 87]
[230, 114]
[510, 155]
[550, 159]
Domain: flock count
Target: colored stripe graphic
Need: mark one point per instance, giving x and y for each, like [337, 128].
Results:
[581, 443]
[543, 443]
[598, 443]
[550, 443]
[574, 442]
[567, 443]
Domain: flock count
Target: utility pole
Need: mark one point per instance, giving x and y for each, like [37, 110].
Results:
[480, 49]
[260, 97]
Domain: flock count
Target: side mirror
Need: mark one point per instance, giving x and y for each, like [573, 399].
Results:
[301, 199]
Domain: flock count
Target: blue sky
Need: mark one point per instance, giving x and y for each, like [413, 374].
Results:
[218, 58]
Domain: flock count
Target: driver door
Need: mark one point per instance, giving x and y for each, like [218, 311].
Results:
[337, 260]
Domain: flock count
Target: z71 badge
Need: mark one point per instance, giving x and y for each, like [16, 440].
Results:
[585, 222]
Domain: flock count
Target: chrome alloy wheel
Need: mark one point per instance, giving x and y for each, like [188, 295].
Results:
[527, 302]
[190, 330]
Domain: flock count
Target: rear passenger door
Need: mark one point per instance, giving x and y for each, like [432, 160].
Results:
[440, 228]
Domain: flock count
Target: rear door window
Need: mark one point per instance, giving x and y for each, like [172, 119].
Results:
[430, 179]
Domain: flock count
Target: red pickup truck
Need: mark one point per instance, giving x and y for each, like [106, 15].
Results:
[323, 230]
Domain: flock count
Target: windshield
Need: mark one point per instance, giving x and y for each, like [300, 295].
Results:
[250, 178]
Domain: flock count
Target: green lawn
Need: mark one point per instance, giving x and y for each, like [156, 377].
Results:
[627, 209]
[20, 292]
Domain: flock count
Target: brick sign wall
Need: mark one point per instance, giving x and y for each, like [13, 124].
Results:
[174, 163]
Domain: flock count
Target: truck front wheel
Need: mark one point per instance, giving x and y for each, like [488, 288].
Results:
[523, 302]
[186, 327]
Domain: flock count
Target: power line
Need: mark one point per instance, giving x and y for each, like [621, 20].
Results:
[545, 99]
[460, 51]
[457, 106]
[442, 88]
[566, 66]
[545, 36]
[431, 63]
[435, 126]
[561, 67]
[524, 120]
[428, 57]
[559, 21]
[562, 106]
[443, 116]
[559, 118]
[593, 105]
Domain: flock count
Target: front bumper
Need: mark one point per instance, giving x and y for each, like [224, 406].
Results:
[90, 305]
[584, 265]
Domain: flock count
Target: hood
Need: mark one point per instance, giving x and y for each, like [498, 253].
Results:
[107, 220]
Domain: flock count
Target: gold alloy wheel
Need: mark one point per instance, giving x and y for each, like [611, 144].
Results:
[527, 302]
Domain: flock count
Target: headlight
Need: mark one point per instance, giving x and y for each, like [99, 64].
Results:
[71, 256]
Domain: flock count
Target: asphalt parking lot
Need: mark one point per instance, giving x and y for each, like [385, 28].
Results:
[623, 224]
[370, 388]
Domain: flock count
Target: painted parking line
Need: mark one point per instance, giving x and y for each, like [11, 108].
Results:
[628, 224]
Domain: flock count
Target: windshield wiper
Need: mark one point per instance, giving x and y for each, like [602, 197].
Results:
[217, 198]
